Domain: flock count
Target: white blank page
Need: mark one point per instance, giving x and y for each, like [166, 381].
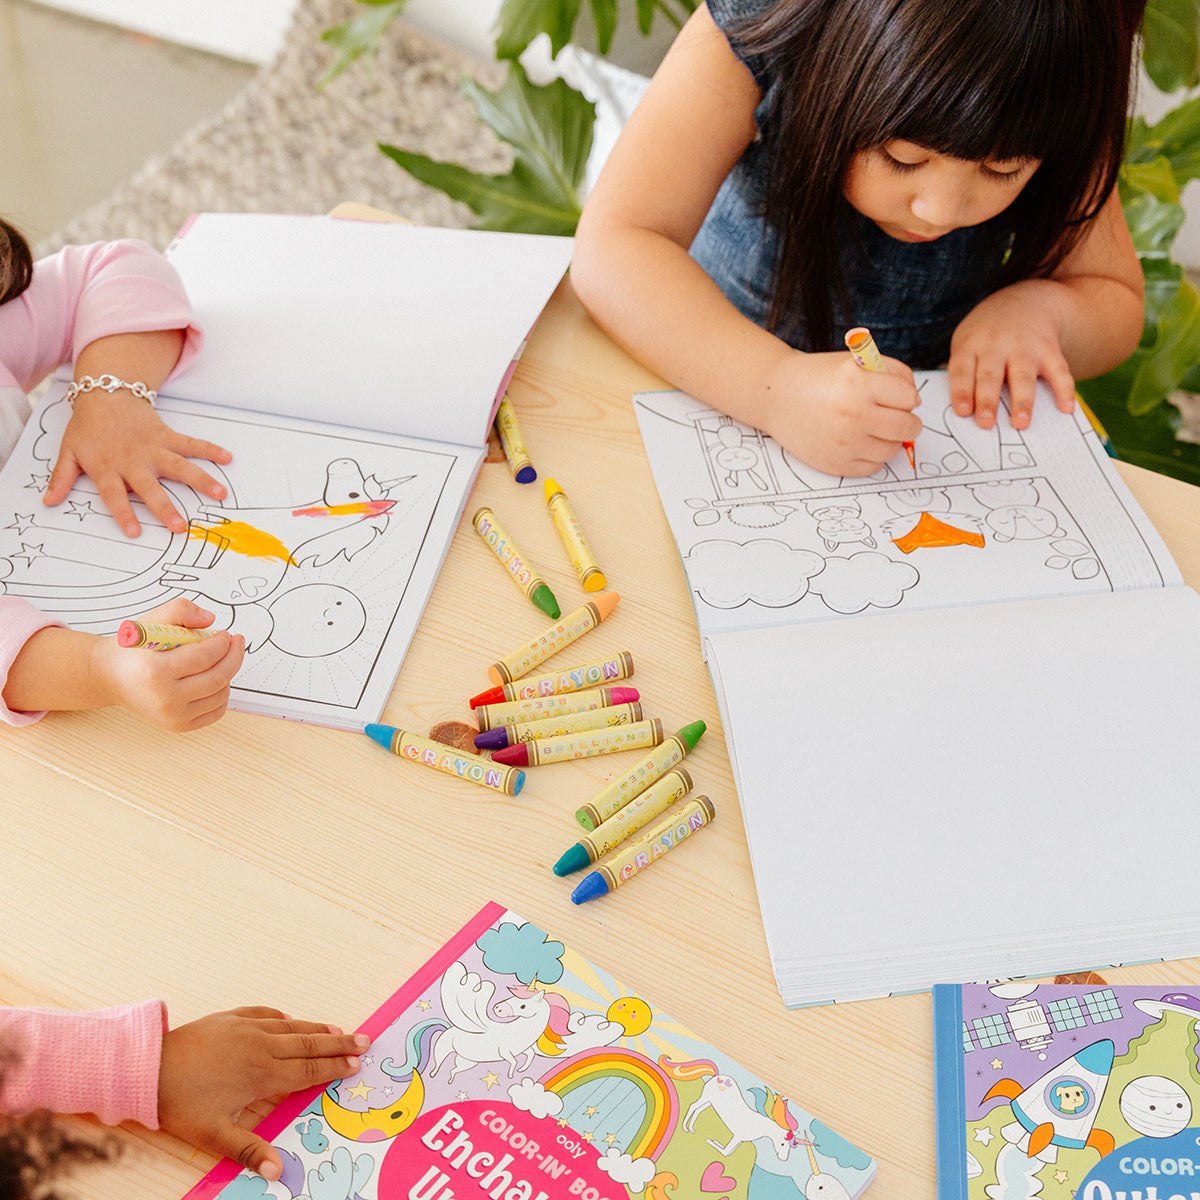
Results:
[985, 777]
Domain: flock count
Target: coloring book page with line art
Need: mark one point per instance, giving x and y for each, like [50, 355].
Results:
[322, 554]
[985, 515]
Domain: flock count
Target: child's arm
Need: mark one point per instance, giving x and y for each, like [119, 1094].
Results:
[55, 668]
[1081, 322]
[115, 308]
[124, 1064]
[120, 441]
[632, 272]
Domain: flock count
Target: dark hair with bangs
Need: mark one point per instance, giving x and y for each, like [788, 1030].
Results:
[16, 263]
[973, 79]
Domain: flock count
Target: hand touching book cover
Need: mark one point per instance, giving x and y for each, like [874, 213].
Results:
[508, 1067]
[1058, 1091]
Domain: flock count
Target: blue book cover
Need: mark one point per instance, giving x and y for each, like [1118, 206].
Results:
[1067, 1091]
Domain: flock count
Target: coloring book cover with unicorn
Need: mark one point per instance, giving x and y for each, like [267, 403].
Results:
[510, 1068]
[1083, 1090]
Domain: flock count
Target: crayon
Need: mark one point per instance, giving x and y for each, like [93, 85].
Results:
[571, 535]
[546, 727]
[513, 441]
[445, 758]
[551, 641]
[582, 745]
[863, 350]
[490, 715]
[148, 635]
[569, 679]
[618, 792]
[643, 808]
[496, 538]
[664, 836]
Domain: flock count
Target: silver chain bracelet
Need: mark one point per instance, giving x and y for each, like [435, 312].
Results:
[110, 383]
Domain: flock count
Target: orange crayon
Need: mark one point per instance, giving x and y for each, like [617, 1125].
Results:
[550, 641]
[863, 350]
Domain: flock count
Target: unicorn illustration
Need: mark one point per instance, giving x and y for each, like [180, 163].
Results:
[769, 1118]
[511, 1030]
[820, 1185]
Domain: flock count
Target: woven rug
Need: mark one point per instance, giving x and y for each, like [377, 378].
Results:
[282, 146]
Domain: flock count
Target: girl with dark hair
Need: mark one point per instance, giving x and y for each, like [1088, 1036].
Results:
[941, 171]
[118, 311]
[124, 1064]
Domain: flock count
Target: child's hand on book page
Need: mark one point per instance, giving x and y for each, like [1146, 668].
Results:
[1012, 337]
[833, 415]
[182, 689]
[124, 446]
[212, 1068]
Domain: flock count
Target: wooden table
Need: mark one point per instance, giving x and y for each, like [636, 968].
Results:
[264, 862]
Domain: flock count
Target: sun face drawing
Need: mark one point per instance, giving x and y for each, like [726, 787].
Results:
[632, 1014]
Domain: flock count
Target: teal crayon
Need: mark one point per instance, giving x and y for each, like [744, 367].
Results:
[666, 835]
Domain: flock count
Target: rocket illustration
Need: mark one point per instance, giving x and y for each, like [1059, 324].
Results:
[1059, 1107]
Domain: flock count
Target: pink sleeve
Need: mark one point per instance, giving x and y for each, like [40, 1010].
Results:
[104, 1062]
[19, 621]
[87, 292]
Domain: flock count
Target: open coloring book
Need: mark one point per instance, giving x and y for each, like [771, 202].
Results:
[510, 1067]
[943, 688]
[1056, 1090]
[333, 368]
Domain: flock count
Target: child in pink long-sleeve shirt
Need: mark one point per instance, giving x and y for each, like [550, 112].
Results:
[114, 309]
[124, 1064]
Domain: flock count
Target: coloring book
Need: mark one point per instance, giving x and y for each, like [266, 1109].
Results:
[509, 1067]
[1055, 1091]
[942, 689]
[333, 370]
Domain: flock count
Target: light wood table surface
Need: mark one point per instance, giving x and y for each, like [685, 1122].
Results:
[266, 862]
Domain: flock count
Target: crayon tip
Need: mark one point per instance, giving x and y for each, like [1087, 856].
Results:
[593, 885]
[518, 782]
[692, 733]
[525, 475]
[550, 487]
[513, 756]
[543, 597]
[492, 739]
[605, 603]
[493, 695]
[381, 734]
[596, 581]
[911, 451]
[127, 634]
[585, 818]
[573, 860]
[625, 695]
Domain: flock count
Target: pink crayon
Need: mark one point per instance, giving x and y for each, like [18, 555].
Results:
[147, 635]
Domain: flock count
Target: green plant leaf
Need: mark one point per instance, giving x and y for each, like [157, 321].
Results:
[604, 17]
[1170, 46]
[550, 130]
[359, 35]
[507, 202]
[1148, 440]
[1162, 278]
[1177, 349]
[1154, 176]
[1176, 137]
[520, 21]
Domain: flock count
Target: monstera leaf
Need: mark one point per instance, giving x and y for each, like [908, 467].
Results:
[550, 131]
[520, 21]
[359, 34]
[1170, 43]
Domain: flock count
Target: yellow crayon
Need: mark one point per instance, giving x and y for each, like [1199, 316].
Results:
[537, 707]
[448, 759]
[618, 792]
[498, 540]
[148, 635]
[547, 727]
[569, 679]
[674, 828]
[513, 441]
[642, 809]
[582, 745]
[578, 551]
[863, 350]
[550, 641]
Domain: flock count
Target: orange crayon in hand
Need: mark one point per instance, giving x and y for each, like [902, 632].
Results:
[863, 350]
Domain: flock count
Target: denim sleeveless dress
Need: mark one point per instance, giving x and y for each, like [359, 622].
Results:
[910, 295]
